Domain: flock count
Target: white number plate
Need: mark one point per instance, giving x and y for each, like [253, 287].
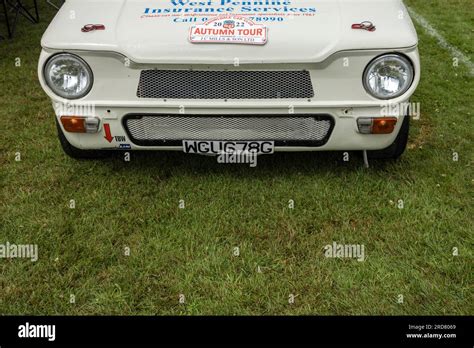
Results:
[219, 147]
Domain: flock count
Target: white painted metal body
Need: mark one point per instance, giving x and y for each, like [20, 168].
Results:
[149, 35]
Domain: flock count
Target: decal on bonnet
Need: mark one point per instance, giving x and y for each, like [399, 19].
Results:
[229, 29]
[189, 11]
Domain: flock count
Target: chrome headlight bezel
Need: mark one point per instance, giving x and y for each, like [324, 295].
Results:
[76, 59]
[404, 62]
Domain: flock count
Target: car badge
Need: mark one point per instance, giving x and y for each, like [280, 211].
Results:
[369, 26]
[92, 27]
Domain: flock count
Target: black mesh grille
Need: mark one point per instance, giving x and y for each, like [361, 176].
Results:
[187, 84]
[159, 130]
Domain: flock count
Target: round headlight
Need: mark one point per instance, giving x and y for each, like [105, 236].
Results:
[388, 76]
[68, 76]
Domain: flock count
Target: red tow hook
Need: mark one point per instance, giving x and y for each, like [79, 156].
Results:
[369, 26]
[91, 27]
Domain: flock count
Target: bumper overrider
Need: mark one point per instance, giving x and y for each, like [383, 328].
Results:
[324, 106]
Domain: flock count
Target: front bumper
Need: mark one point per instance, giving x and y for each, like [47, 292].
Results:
[343, 135]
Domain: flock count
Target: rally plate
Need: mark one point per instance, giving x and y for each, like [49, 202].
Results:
[230, 30]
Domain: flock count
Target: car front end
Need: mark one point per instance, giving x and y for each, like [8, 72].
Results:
[317, 82]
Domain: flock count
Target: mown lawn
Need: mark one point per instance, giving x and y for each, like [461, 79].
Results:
[190, 251]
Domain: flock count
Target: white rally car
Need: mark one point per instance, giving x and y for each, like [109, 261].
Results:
[223, 76]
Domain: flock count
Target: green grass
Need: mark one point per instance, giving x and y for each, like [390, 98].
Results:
[190, 251]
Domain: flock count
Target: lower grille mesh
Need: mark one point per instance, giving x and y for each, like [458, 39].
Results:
[187, 84]
[157, 130]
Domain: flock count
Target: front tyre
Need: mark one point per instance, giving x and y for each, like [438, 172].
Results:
[74, 152]
[398, 147]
